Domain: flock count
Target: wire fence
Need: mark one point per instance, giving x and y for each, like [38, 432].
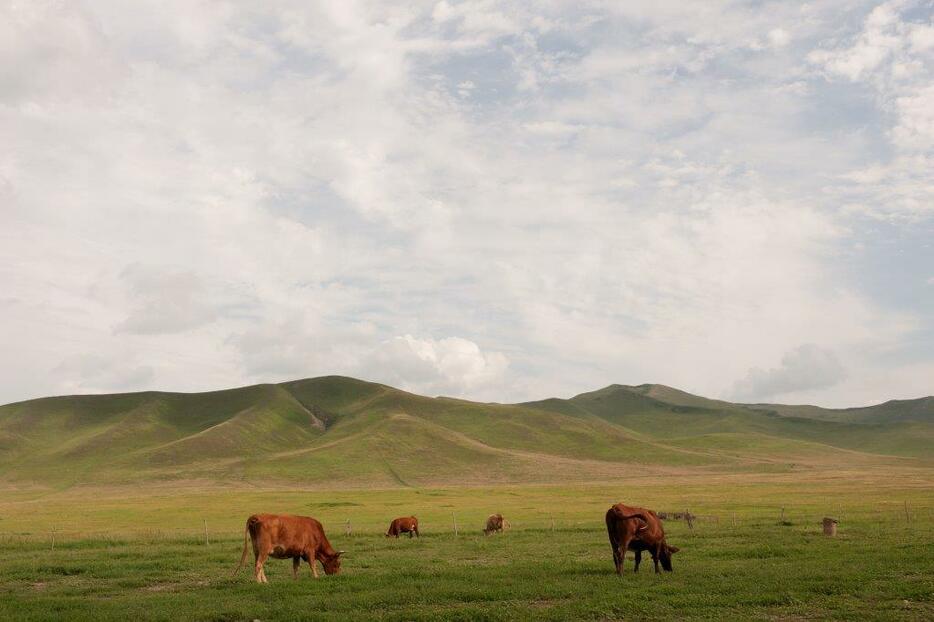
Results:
[903, 514]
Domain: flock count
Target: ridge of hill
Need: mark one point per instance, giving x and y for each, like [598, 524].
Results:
[335, 430]
[920, 409]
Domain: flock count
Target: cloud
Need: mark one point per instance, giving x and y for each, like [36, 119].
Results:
[778, 37]
[94, 373]
[878, 42]
[450, 366]
[469, 198]
[475, 18]
[164, 302]
[893, 57]
[915, 128]
[805, 368]
[300, 346]
[303, 342]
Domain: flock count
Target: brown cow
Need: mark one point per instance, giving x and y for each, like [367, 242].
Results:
[637, 529]
[283, 536]
[495, 523]
[404, 524]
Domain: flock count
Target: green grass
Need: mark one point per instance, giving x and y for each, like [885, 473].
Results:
[900, 428]
[335, 431]
[125, 486]
[122, 555]
[921, 409]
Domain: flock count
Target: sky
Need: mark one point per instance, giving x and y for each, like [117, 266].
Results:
[476, 199]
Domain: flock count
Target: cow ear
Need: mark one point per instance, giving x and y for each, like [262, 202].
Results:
[673, 549]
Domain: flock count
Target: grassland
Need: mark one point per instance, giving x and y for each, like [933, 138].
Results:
[120, 553]
[132, 506]
[334, 431]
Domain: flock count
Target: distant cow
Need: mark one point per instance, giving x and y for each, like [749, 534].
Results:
[404, 524]
[283, 536]
[495, 523]
[637, 529]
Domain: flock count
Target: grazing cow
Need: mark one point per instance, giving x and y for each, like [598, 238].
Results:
[283, 536]
[495, 523]
[637, 529]
[404, 524]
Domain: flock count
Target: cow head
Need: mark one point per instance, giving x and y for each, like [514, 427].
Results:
[664, 555]
[332, 564]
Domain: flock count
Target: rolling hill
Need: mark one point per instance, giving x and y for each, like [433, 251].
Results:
[338, 431]
[893, 411]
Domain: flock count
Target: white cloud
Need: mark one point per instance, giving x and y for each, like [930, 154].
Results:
[164, 302]
[893, 56]
[95, 373]
[890, 45]
[915, 128]
[778, 37]
[475, 18]
[421, 194]
[807, 367]
[449, 366]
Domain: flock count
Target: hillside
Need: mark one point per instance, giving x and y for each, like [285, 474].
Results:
[921, 409]
[681, 418]
[342, 431]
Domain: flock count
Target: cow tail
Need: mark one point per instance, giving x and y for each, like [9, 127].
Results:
[611, 532]
[246, 541]
[638, 515]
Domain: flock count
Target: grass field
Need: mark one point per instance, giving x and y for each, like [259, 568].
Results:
[335, 430]
[133, 505]
[124, 553]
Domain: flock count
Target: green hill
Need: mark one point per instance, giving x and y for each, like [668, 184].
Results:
[903, 428]
[342, 431]
[921, 409]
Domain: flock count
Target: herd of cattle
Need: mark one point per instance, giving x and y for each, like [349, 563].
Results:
[301, 538]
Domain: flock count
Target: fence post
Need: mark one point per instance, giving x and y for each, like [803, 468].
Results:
[349, 528]
[782, 517]
[454, 519]
[689, 519]
[205, 521]
[907, 515]
[552, 524]
[733, 518]
[53, 539]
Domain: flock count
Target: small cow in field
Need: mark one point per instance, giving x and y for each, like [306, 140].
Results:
[404, 524]
[495, 523]
[283, 536]
[637, 529]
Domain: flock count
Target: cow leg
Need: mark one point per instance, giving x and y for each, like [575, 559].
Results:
[623, 547]
[295, 563]
[416, 533]
[655, 559]
[314, 566]
[638, 560]
[256, 566]
[615, 548]
[259, 573]
[411, 534]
